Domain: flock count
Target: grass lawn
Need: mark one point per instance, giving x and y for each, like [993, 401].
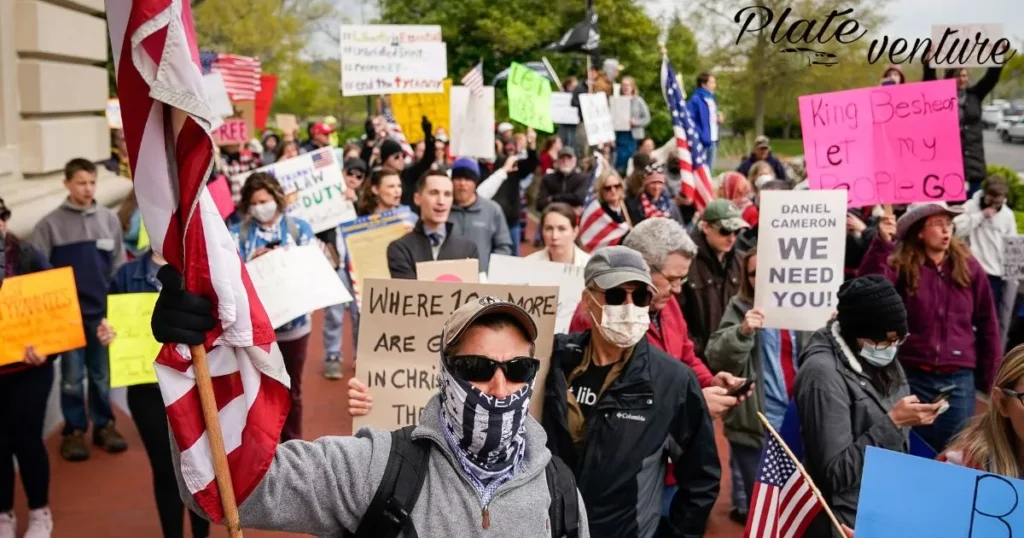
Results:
[737, 147]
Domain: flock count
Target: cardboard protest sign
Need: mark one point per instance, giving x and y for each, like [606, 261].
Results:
[526, 272]
[41, 310]
[264, 99]
[217, 94]
[400, 341]
[114, 114]
[367, 239]
[529, 98]
[467, 270]
[233, 131]
[562, 111]
[885, 144]
[220, 191]
[472, 123]
[597, 119]
[903, 496]
[1013, 257]
[313, 186]
[800, 256]
[287, 123]
[620, 106]
[389, 59]
[968, 45]
[133, 350]
[409, 109]
[295, 281]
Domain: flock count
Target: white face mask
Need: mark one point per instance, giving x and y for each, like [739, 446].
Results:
[763, 179]
[623, 325]
[878, 357]
[263, 212]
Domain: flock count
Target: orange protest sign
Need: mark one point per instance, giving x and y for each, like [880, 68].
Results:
[41, 310]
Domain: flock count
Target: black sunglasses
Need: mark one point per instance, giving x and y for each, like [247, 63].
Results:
[356, 175]
[617, 296]
[5, 214]
[726, 232]
[480, 369]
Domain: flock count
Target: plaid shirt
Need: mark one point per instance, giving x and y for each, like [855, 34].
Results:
[244, 161]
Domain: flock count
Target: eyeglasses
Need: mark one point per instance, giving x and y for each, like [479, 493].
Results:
[891, 343]
[479, 369]
[1014, 394]
[615, 187]
[673, 281]
[617, 296]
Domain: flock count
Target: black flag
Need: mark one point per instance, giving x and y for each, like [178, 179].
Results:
[583, 37]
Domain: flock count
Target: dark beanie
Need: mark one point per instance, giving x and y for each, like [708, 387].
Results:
[388, 148]
[466, 168]
[869, 307]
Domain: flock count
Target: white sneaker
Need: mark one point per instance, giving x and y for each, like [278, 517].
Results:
[40, 523]
[7, 525]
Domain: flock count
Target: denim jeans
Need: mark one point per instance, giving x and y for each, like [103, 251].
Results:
[625, 147]
[92, 361]
[334, 320]
[743, 462]
[712, 151]
[926, 385]
[516, 232]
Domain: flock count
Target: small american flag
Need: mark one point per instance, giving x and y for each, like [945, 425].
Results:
[395, 130]
[323, 158]
[693, 164]
[474, 80]
[241, 73]
[783, 503]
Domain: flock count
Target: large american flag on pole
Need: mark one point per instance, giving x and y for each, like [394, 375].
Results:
[693, 164]
[166, 122]
[241, 74]
[783, 503]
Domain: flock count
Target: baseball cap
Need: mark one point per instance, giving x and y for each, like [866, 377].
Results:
[566, 152]
[322, 128]
[762, 142]
[465, 315]
[726, 214]
[504, 126]
[355, 164]
[613, 266]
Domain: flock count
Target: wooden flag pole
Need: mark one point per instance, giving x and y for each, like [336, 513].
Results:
[807, 477]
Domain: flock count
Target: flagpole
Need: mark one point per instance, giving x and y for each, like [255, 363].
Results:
[807, 477]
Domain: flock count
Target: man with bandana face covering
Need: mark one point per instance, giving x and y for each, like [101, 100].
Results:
[487, 459]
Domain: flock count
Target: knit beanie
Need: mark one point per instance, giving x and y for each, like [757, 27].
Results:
[869, 307]
[465, 168]
[388, 148]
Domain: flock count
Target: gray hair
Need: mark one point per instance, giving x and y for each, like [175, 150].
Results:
[658, 238]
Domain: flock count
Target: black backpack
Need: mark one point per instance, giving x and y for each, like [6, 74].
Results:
[389, 511]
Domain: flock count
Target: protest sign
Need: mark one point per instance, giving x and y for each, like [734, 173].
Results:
[562, 111]
[526, 272]
[886, 144]
[409, 109]
[221, 194]
[472, 123]
[314, 188]
[217, 95]
[264, 99]
[400, 341]
[287, 123]
[114, 114]
[905, 496]
[529, 98]
[467, 270]
[388, 59]
[1013, 257]
[968, 45]
[233, 131]
[620, 112]
[802, 248]
[294, 281]
[367, 239]
[41, 310]
[133, 350]
[597, 119]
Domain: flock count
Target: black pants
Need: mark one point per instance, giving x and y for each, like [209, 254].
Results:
[147, 408]
[23, 397]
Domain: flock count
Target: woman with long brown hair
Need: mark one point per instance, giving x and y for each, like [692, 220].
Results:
[954, 339]
[382, 193]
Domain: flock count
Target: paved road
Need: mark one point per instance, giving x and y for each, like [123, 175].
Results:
[1009, 154]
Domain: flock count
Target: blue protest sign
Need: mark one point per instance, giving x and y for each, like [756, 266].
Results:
[905, 496]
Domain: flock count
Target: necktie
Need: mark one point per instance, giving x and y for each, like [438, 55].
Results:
[435, 239]
[786, 357]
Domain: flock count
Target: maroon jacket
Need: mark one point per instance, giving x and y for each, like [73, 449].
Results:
[942, 317]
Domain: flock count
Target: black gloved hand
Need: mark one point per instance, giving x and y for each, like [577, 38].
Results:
[180, 317]
[428, 128]
[371, 132]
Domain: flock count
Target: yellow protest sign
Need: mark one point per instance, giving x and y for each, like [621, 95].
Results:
[41, 310]
[409, 109]
[134, 348]
[143, 237]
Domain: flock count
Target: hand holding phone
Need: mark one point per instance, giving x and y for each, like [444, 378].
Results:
[944, 393]
[742, 388]
[273, 244]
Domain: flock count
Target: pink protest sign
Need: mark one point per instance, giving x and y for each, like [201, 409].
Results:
[885, 145]
[221, 193]
[233, 131]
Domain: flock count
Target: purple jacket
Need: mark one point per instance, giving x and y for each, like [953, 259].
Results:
[943, 317]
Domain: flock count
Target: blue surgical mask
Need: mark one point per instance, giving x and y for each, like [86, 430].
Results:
[878, 357]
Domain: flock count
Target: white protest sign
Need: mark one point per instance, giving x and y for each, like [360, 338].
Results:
[313, 186]
[217, 95]
[294, 281]
[1013, 257]
[620, 112]
[521, 271]
[472, 123]
[597, 119]
[800, 255]
[386, 59]
[967, 45]
[562, 111]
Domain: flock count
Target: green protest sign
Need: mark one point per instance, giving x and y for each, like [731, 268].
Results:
[529, 98]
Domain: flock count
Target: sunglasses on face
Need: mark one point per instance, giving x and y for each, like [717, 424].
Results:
[356, 175]
[1013, 394]
[480, 369]
[5, 215]
[726, 232]
[615, 187]
[617, 296]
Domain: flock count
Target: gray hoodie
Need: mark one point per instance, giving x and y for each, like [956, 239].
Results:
[325, 486]
[483, 222]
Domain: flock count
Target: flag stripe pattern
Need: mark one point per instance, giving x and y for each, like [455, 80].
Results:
[598, 230]
[693, 167]
[167, 118]
[783, 503]
[395, 131]
[241, 73]
[474, 80]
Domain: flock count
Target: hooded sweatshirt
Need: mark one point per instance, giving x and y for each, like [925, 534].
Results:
[984, 234]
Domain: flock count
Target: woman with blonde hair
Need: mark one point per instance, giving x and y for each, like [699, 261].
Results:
[605, 221]
[761, 173]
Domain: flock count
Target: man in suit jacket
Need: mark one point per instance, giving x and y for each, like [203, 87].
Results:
[433, 238]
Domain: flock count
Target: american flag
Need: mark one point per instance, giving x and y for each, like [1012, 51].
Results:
[241, 73]
[783, 503]
[323, 158]
[693, 164]
[474, 80]
[395, 130]
[167, 119]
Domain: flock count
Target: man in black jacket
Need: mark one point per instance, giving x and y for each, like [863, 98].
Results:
[566, 184]
[612, 400]
[433, 238]
[509, 195]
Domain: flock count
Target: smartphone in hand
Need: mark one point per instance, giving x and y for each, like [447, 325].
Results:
[742, 388]
[944, 393]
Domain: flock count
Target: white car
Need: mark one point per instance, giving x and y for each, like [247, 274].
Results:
[1014, 131]
[1010, 117]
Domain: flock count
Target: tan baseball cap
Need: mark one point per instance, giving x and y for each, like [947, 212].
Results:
[465, 315]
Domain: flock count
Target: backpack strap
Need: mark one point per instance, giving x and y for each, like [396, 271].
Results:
[564, 511]
[389, 513]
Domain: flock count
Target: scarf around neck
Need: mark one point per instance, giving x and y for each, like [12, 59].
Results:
[657, 208]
